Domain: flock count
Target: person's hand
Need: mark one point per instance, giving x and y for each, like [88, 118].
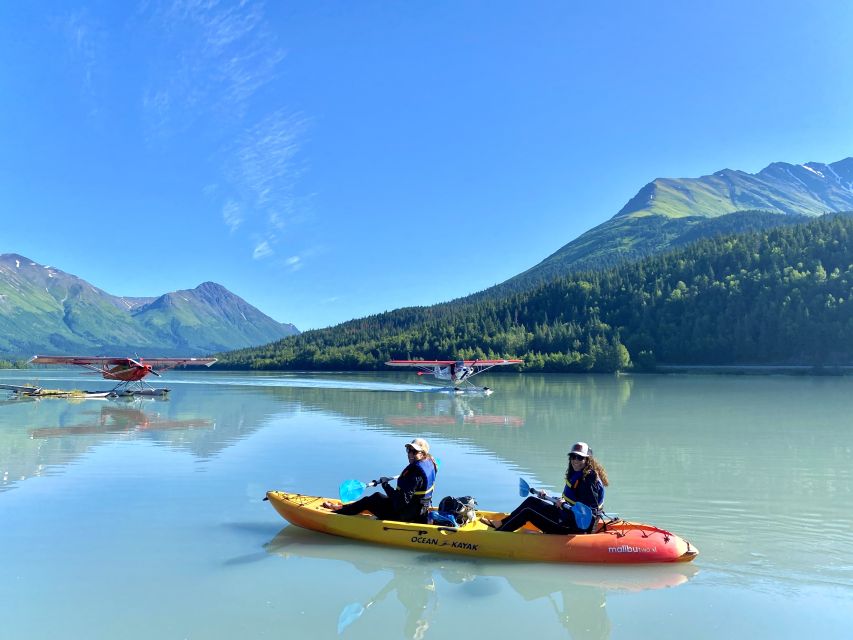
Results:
[542, 494]
[385, 480]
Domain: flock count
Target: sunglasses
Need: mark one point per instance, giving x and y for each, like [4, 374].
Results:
[411, 450]
[574, 456]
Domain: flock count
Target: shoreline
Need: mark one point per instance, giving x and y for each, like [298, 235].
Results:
[757, 369]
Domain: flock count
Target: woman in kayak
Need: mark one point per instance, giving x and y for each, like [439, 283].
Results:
[585, 482]
[411, 500]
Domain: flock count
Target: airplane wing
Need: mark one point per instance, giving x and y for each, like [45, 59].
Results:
[491, 363]
[80, 360]
[444, 363]
[90, 361]
[420, 363]
[168, 363]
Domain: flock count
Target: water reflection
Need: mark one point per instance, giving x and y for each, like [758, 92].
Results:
[38, 438]
[453, 410]
[117, 419]
[575, 593]
[206, 414]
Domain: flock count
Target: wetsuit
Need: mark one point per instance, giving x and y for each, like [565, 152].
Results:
[548, 517]
[409, 502]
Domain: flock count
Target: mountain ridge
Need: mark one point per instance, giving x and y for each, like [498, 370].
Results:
[43, 308]
[812, 188]
[666, 209]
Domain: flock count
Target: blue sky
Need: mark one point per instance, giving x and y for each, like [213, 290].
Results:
[330, 160]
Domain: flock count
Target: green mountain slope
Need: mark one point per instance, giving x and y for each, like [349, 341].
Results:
[206, 318]
[44, 309]
[668, 209]
[808, 189]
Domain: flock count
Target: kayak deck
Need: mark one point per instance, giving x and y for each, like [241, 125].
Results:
[611, 542]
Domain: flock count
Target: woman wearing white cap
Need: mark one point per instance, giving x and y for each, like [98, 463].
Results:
[585, 482]
[410, 500]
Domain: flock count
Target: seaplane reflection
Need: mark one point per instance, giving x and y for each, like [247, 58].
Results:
[120, 419]
[577, 594]
[453, 411]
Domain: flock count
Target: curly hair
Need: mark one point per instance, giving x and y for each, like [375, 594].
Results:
[594, 465]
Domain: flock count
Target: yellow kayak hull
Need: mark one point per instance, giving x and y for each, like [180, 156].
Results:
[617, 542]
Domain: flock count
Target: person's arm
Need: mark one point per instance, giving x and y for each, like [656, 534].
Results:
[390, 491]
[411, 480]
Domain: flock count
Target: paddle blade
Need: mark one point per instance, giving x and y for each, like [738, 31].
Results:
[583, 515]
[349, 614]
[523, 488]
[351, 490]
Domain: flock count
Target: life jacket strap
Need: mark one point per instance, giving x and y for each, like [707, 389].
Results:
[423, 493]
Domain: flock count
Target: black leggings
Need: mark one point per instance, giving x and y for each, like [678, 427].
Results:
[382, 507]
[545, 516]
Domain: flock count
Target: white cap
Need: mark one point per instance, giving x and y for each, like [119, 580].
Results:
[419, 444]
[581, 449]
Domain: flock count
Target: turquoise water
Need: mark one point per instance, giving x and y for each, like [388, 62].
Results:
[144, 519]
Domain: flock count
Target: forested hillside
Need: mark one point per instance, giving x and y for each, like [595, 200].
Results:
[779, 296]
[624, 239]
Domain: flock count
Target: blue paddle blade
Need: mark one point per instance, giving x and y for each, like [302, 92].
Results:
[523, 488]
[349, 614]
[351, 490]
[583, 515]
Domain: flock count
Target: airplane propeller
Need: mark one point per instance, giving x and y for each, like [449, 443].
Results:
[138, 363]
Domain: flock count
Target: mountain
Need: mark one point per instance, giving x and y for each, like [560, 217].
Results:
[667, 210]
[44, 309]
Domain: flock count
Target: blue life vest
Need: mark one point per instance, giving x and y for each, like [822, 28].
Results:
[428, 468]
[592, 495]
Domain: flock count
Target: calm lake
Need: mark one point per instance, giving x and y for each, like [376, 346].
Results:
[145, 519]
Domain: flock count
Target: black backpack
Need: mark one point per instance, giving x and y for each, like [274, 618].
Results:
[463, 510]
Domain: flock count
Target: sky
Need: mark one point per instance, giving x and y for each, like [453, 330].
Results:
[332, 160]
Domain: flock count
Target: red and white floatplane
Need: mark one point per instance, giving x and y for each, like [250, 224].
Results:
[128, 373]
[457, 372]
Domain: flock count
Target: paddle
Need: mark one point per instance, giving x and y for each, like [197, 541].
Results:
[351, 490]
[581, 512]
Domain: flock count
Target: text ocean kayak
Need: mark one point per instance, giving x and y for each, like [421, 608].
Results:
[617, 542]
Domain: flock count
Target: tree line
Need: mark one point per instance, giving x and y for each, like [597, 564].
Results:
[777, 296]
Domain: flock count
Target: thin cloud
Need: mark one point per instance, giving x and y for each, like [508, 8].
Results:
[294, 263]
[232, 215]
[262, 250]
[267, 161]
[212, 59]
[84, 38]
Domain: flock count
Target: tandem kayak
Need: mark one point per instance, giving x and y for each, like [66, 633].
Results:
[611, 542]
